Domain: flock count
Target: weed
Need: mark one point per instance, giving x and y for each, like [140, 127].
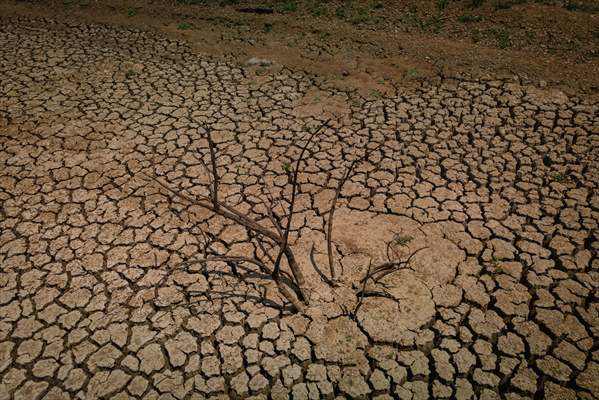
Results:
[324, 36]
[503, 39]
[286, 167]
[402, 240]
[506, 4]
[191, 2]
[434, 24]
[376, 93]
[131, 12]
[596, 34]
[130, 74]
[495, 264]
[229, 2]
[378, 6]
[412, 73]
[560, 177]
[469, 18]
[441, 4]
[341, 12]
[317, 9]
[475, 3]
[583, 7]
[288, 6]
[267, 28]
[184, 26]
[360, 18]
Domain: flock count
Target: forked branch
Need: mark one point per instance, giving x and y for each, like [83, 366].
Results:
[278, 236]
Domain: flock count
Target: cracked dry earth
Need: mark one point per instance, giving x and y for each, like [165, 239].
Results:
[495, 182]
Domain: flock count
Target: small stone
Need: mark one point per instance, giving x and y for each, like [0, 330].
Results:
[255, 61]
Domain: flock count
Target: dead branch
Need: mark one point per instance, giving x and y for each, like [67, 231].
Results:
[320, 273]
[284, 243]
[278, 236]
[361, 293]
[384, 269]
[239, 259]
[215, 178]
[331, 215]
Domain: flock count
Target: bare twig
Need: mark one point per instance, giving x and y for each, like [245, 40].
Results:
[284, 243]
[237, 259]
[246, 221]
[386, 268]
[320, 273]
[214, 169]
[364, 282]
[331, 215]
[271, 216]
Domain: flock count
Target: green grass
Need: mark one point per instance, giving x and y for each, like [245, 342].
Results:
[360, 18]
[507, 4]
[316, 9]
[503, 39]
[559, 177]
[582, 7]
[183, 26]
[341, 12]
[288, 6]
[434, 24]
[412, 73]
[402, 240]
[469, 18]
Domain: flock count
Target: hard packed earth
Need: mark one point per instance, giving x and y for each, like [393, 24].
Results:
[491, 182]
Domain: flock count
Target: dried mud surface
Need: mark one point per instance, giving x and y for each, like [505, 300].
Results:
[496, 181]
